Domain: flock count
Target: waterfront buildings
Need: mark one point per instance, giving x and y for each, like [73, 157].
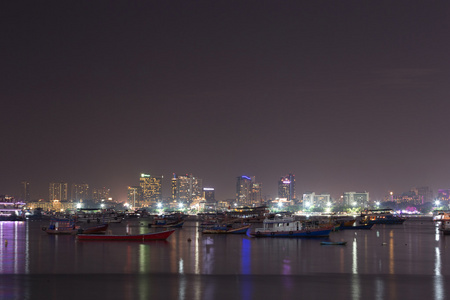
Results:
[209, 195]
[134, 196]
[356, 199]
[248, 191]
[25, 191]
[57, 191]
[100, 194]
[186, 188]
[151, 189]
[286, 187]
[79, 192]
[321, 201]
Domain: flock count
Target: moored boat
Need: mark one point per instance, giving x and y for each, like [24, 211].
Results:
[166, 224]
[227, 230]
[381, 216]
[94, 230]
[152, 236]
[333, 243]
[61, 226]
[288, 227]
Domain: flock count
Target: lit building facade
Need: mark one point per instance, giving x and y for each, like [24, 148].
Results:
[25, 191]
[443, 195]
[186, 188]
[286, 187]
[209, 195]
[79, 192]
[151, 189]
[356, 199]
[100, 194]
[57, 191]
[134, 196]
[311, 200]
[248, 191]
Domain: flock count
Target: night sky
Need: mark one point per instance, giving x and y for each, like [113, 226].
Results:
[348, 95]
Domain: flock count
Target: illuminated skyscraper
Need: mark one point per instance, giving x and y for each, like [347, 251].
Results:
[151, 189]
[57, 191]
[209, 195]
[286, 187]
[186, 188]
[25, 191]
[134, 196]
[255, 194]
[79, 192]
[248, 191]
[100, 194]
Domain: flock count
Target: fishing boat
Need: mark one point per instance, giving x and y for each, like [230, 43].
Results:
[94, 230]
[333, 243]
[61, 226]
[152, 236]
[288, 227]
[166, 224]
[227, 230]
[381, 216]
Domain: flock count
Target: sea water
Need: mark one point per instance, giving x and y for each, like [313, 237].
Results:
[407, 261]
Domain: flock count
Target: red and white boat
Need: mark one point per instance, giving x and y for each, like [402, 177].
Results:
[161, 235]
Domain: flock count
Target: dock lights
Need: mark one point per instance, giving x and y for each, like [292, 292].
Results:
[159, 205]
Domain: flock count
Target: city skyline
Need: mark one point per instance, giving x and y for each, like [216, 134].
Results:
[348, 96]
[168, 191]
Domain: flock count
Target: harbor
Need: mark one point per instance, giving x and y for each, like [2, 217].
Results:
[380, 263]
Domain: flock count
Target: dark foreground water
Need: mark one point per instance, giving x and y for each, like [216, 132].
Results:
[406, 261]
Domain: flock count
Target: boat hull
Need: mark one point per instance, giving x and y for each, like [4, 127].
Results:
[240, 230]
[294, 234]
[333, 243]
[94, 230]
[137, 237]
[168, 225]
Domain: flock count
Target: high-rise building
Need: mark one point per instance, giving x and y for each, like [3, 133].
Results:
[151, 189]
[256, 194]
[25, 191]
[444, 195]
[248, 191]
[425, 194]
[57, 191]
[243, 186]
[79, 192]
[209, 195]
[186, 188]
[100, 194]
[356, 199]
[134, 196]
[286, 187]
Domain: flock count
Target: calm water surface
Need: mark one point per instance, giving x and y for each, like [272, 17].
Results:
[406, 261]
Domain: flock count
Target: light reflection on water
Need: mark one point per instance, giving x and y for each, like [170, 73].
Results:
[377, 263]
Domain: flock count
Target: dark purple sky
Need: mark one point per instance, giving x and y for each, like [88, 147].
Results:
[348, 95]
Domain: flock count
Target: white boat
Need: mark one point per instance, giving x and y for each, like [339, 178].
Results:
[11, 210]
[98, 216]
[288, 227]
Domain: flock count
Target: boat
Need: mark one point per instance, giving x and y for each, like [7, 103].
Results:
[95, 215]
[61, 226]
[11, 210]
[381, 216]
[288, 227]
[94, 230]
[227, 230]
[152, 236]
[166, 224]
[356, 227]
[175, 220]
[444, 223]
[333, 243]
